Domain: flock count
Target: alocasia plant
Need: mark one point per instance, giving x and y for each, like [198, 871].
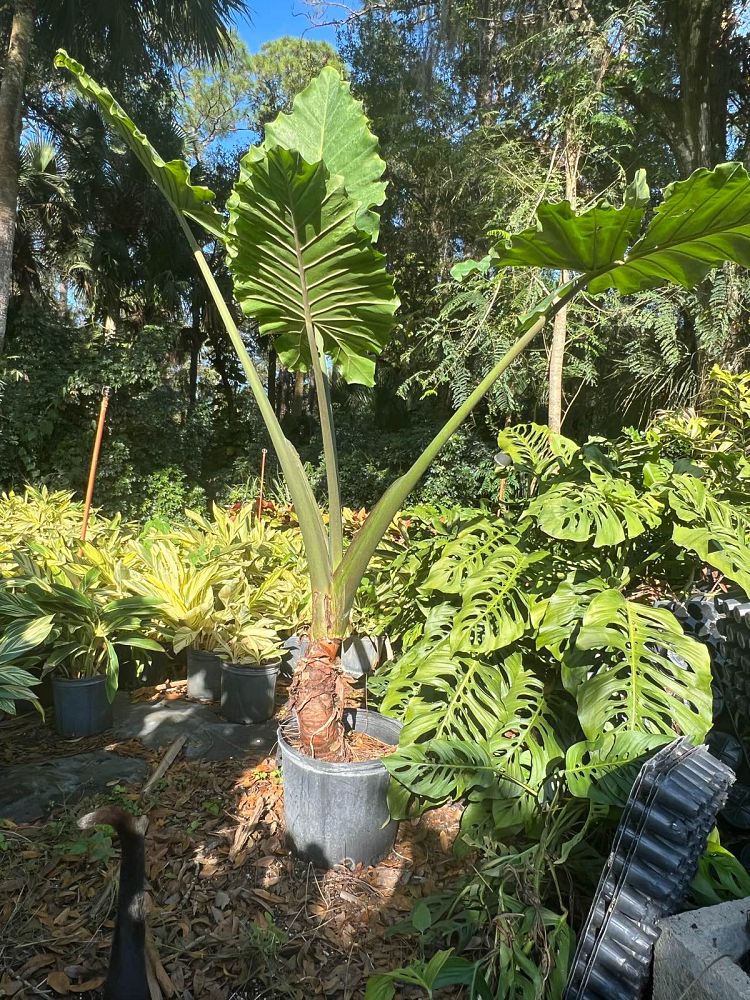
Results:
[299, 238]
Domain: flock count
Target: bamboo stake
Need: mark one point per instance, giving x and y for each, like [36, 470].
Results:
[106, 391]
[165, 763]
[262, 477]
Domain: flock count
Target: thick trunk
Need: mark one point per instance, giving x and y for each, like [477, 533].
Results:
[693, 36]
[696, 34]
[699, 27]
[318, 694]
[11, 108]
[701, 31]
[318, 690]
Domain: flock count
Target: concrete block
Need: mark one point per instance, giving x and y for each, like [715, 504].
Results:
[696, 955]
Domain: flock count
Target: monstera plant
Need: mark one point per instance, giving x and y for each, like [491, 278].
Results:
[299, 232]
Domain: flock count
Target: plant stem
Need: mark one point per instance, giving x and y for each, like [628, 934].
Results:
[328, 432]
[325, 412]
[348, 575]
[311, 523]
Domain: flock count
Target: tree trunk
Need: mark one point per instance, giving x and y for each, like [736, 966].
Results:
[571, 156]
[312, 400]
[281, 394]
[695, 34]
[699, 28]
[299, 393]
[220, 364]
[271, 389]
[488, 30]
[11, 110]
[318, 694]
[195, 346]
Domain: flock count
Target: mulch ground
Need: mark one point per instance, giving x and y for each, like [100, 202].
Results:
[231, 913]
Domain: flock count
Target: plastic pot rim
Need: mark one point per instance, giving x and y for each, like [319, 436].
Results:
[79, 680]
[361, 768]
[249, 666]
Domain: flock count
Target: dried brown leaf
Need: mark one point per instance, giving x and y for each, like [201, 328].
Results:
[90, 984]
[37, 962]
[9, 987]
[59, 982]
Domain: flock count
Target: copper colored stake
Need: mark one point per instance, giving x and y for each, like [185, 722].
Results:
[106, 391]
[262, 477]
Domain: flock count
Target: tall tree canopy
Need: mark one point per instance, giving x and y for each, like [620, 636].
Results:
[483, 108]
[122, 39]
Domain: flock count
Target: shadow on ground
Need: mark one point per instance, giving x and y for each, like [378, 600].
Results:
[232, 913]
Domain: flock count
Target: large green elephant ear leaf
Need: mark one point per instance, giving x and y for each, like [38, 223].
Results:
[702, 222]
[303, 269]
[639, 686]
[326, 123]
[172, 177]
[565, 240]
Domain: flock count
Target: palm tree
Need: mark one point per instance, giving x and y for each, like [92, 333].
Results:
[49, 237]
[121, 38]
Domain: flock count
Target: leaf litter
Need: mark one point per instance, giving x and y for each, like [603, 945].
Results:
[231, 914]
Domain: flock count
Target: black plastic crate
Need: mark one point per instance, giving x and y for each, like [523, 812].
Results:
[662, 834]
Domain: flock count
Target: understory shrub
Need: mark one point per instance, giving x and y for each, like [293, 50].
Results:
[536, 673]
[228, 581]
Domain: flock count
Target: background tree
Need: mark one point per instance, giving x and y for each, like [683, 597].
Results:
[121, 38]
[229, 102]
[481, 105]
[518, 71]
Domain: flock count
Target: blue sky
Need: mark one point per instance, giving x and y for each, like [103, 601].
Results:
[273, 18]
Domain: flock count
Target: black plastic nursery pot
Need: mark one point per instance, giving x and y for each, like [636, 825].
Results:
[248, 692]
[360, 654]
[294, 647]
[81, 706]
[203, 675]
[339, 812]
